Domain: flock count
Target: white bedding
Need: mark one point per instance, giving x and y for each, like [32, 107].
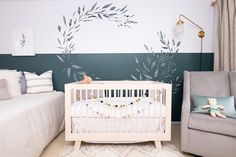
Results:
[118, 125]
[29, 122]
[93, 116]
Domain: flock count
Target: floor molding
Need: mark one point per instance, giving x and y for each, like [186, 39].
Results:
[176, 122]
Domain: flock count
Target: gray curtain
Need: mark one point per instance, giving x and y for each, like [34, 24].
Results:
[225, 54]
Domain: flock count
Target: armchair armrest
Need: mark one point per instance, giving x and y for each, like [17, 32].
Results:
[186, 107]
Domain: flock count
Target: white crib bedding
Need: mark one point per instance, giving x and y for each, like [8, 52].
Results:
[135, 107]
[29, 122]
[92, 116]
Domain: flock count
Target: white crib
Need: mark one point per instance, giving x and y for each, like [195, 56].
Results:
[118, 111]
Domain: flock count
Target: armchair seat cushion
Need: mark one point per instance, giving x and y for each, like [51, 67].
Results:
[207, 123]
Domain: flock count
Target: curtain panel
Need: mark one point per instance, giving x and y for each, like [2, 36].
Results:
[225, 53]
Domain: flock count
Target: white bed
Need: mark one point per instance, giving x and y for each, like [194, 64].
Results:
[29, 122]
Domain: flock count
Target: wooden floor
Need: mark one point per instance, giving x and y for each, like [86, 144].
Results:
[55, 147]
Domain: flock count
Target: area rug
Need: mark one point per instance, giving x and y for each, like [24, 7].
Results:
[121, 150]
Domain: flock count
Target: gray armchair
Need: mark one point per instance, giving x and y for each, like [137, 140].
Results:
[201, 134]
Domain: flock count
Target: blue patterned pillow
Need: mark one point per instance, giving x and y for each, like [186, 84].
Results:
[227, 102]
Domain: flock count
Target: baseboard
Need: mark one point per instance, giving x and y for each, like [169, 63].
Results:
[176, 122]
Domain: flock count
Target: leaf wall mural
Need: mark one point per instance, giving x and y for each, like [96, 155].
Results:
[71, 26]
[160, 66]
[156, 66]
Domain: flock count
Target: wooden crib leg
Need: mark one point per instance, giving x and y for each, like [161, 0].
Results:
[77, 145]
[158, 145]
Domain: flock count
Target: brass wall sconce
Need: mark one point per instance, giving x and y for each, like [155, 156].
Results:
[201, 33]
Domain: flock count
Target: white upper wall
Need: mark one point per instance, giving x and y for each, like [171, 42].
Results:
[102, 35]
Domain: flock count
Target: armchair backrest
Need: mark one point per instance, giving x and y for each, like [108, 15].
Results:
[232, 80]
[210, 83]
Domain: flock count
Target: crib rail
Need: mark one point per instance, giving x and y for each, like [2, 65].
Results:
[78, 125]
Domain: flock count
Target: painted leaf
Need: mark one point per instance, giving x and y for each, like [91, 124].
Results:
[75, 21]
[146, 47]
[147, 76]
[60, 58]
[133, 77]
[76, 66]
[146, 68]
[173, 42]
[70, 23]
[60, 48]
[153, 65]
[149, 60]
[140, 77]
[113, 14]
[161, 35]
[77, 30]
[87, 20]
[69, 39]
[123, 8]
[75, 77]
[79, 10]
[165, 47]
[162, 41]
[59, 28]
[156, 73]
[113, 8]
[106, 6]
[178, 44]
[59, 41]
[124, 11]
[91, 16]
[133, 22]
[68, 34]
[93, 6]
[99, 16]
[77, 26]
[64, 19]
[86, 12]
[68, 71]
[105, 15]
[136, 60]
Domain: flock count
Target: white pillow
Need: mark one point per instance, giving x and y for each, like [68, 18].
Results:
[39, 83]
[13, 80]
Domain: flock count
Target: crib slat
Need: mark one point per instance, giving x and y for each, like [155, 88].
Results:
[160, 121]
[75, 95]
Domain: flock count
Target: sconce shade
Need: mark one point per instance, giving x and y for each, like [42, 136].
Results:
[179, 29]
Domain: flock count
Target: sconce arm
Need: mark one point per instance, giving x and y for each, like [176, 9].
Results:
[181, 15]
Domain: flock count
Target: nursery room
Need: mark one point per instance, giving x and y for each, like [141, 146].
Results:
[117, 78]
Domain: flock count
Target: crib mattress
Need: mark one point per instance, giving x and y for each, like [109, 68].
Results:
[93, 116]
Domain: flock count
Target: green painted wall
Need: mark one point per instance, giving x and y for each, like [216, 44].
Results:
[107, 67]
